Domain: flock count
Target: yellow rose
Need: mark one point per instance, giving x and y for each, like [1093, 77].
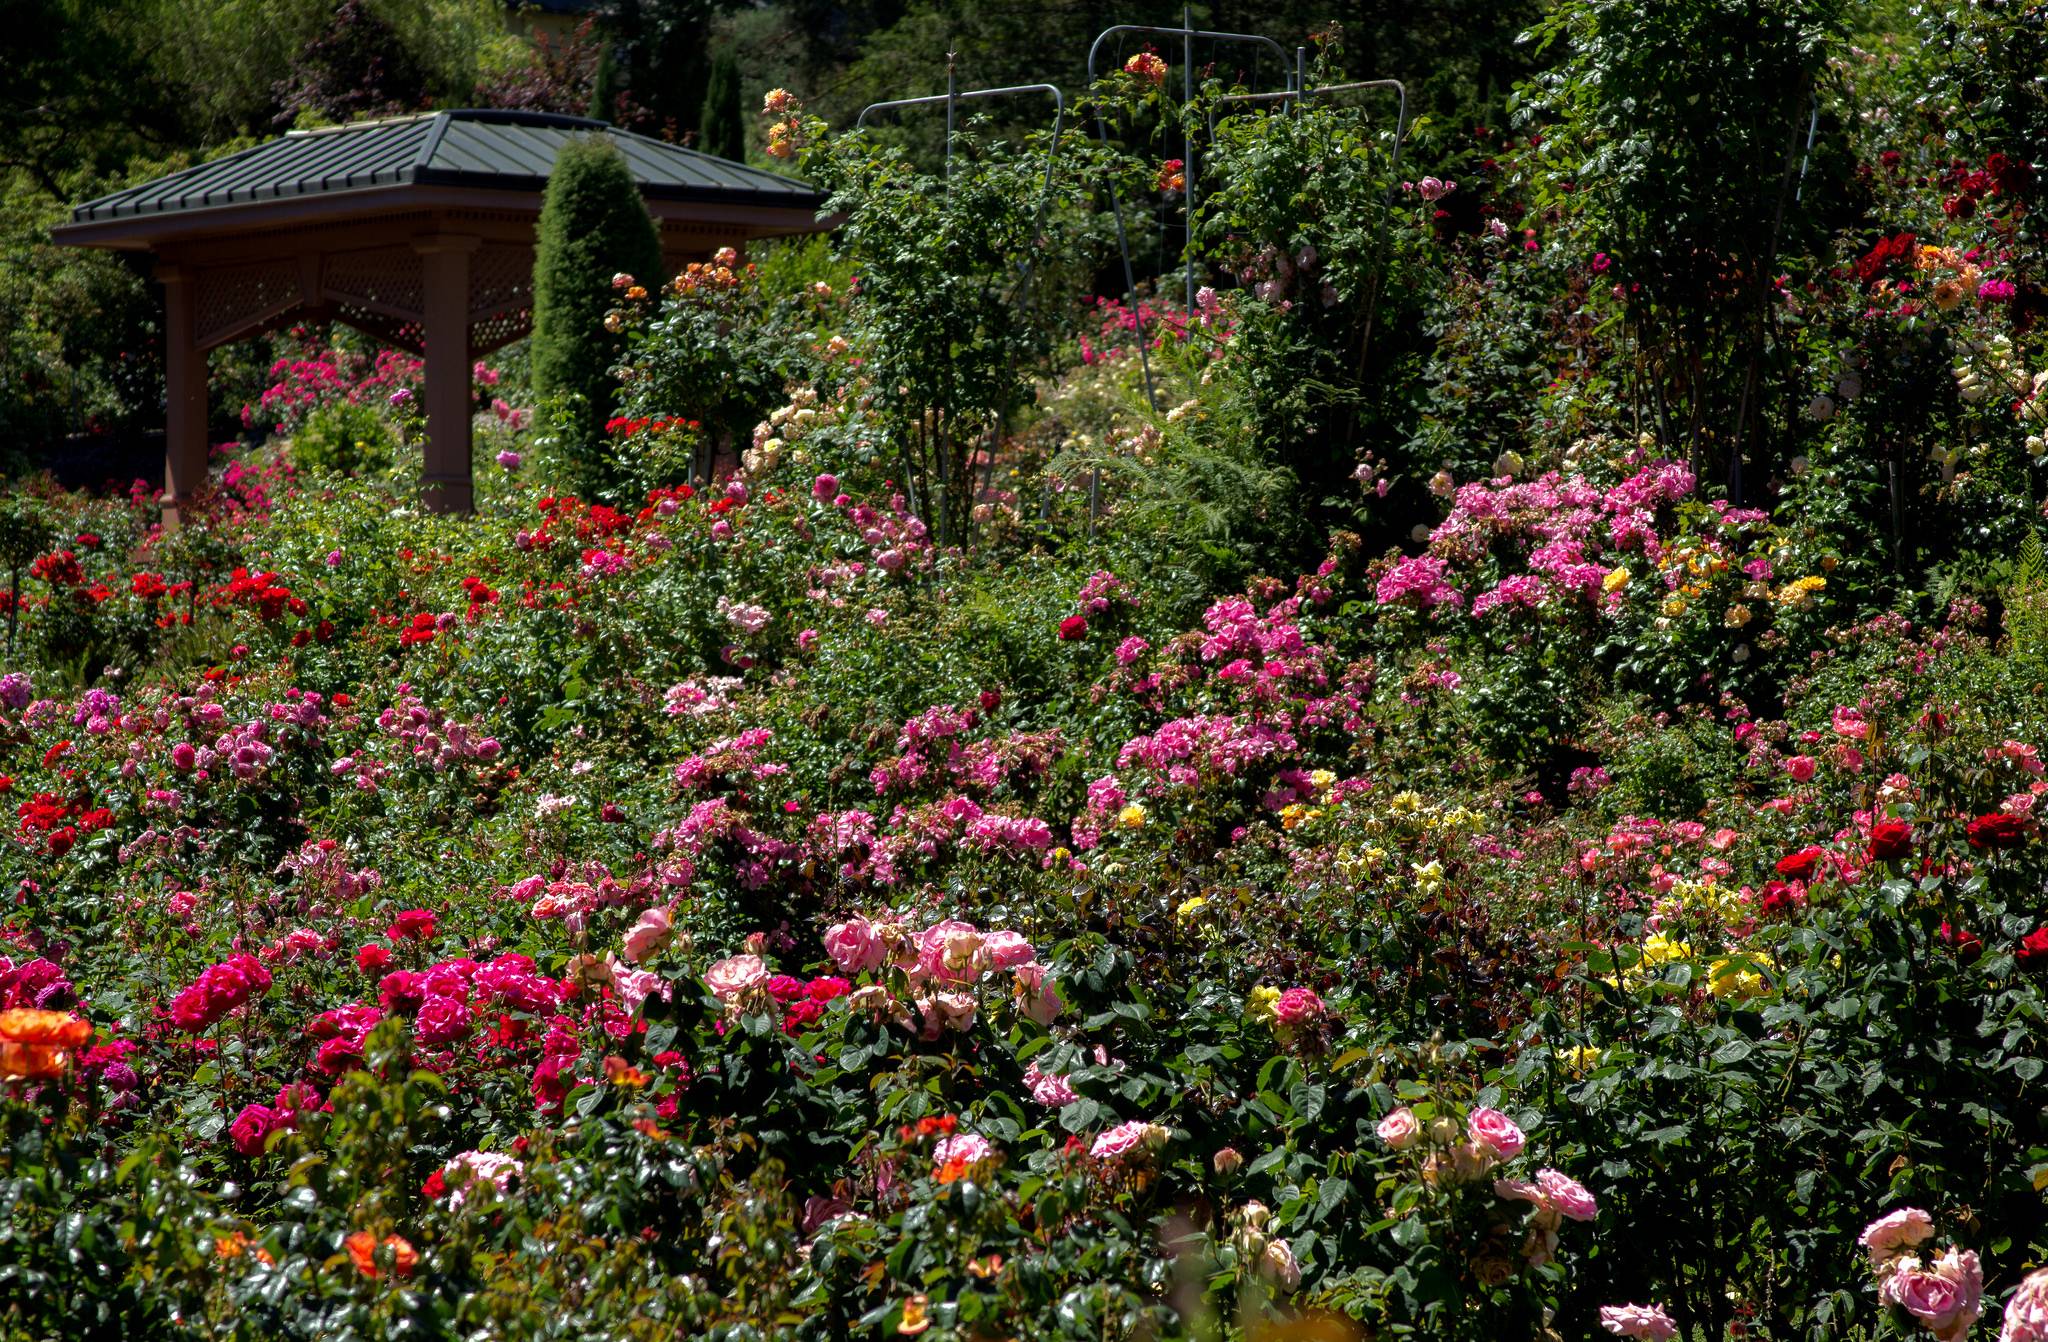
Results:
[1615, 580]
[1131, 817]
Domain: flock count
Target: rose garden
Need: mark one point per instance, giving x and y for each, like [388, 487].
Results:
[1283, 708]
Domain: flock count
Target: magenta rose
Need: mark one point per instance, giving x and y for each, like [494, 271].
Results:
[252, 1128]
[1298, 1006]
[442, 1020]
[1495, 1130]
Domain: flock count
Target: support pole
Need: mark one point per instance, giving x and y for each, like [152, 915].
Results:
[184, 396]
[447, 482]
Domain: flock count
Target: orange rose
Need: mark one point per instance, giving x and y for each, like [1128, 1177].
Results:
[37, 1045]
[362, 1251]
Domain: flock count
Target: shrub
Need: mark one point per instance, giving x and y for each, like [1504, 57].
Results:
[343, 438]
[593, 226]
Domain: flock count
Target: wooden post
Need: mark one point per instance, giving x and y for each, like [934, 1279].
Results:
[184, 395]
[447, 479]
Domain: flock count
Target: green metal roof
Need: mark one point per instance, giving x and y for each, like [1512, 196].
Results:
[484, 149]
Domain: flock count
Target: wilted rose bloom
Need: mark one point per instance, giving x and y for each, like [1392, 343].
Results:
[1947, 1297]
[1280, 1266]
[1645, 1321]
[1495, 1130]
[647, 936]
[2026, 1314]
[1228, 1161]
[1037, 995]
[734, 975]
[1895, 1231]
[948, 1011]
[1399, 1129]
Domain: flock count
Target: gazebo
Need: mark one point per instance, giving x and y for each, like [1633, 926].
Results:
[416, 230]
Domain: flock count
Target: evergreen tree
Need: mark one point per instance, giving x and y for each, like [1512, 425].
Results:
[593, 225]
[721, 129]
[604, 91]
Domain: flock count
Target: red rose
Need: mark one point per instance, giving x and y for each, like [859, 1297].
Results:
[411, 925]
[1997, 830]
[434, 1187]
[2033, 949]
[372, 958]
[1968, 944]
[1890, 840]
[1801, 865]
[1073, 627]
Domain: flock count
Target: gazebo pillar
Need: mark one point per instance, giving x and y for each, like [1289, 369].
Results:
[447, 477]
[184, 394]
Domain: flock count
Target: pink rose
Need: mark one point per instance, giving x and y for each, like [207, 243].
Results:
[1037, 995]
[649, 935]
[1801, 768]
[1947, 1297]
[734, 975]
[940, 950]
[1566, 1196]
[1399, 1129]
[1298, 1006]
[2026, 1314]
[1492, 1128]
[854, 946]
[1894, 1232]
[1125, 1138]
[1647, 1321]
[1517, 1190]
[966, 1147]
[1007, 950]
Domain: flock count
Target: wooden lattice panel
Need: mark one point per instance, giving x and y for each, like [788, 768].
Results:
[500, 296]
[234, 299]
[387, 281]
[405, 335]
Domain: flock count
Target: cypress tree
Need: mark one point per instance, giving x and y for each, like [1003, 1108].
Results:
[723, 132]
[593, 225]
[604, 88]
